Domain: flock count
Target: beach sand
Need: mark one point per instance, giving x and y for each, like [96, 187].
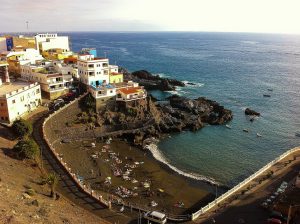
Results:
[166, 187]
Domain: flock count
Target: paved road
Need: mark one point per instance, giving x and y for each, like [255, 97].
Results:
[66, 185]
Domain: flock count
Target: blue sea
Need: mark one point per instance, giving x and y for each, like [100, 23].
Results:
[235, 69]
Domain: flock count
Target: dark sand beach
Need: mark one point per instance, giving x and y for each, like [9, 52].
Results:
[146, 180]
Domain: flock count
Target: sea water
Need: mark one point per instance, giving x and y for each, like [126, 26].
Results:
[235, 69]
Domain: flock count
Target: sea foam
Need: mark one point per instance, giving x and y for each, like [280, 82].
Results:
[161, 158]
[197, 84]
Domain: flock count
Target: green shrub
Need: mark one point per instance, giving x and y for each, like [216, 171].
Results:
[22, 128]
[26, 149]
[88, 103]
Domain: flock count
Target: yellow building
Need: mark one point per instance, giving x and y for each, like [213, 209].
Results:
[56, 54]
[115, 78]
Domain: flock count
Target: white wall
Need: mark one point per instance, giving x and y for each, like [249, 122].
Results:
[22, 100]
[50, 41]
[100, 72]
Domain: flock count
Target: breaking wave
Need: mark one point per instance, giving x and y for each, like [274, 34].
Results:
[160, 157]
[193, 84]
[163, 75]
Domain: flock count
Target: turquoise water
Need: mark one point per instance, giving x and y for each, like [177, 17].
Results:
[231, 68]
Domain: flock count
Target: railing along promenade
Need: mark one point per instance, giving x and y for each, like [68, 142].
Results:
[85, 188]
[242, 184]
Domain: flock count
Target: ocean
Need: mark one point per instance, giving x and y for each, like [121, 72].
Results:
[235, 69]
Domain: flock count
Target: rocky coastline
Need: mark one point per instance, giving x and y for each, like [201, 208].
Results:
[174, 114]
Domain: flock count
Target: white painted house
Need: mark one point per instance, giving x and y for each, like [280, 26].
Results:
[29, 55]
[94, 73]
[17, 98]
[48, 41]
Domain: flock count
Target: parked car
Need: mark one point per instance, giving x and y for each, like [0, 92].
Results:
[59, 101]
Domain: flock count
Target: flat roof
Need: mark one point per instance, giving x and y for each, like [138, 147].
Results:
[13, 86]
[131, 90]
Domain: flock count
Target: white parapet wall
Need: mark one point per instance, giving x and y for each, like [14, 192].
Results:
[242, 184]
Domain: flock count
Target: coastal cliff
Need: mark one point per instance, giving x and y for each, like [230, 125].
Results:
[174, 115]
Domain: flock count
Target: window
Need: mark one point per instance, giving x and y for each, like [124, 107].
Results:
[13, 101]
[111, 91]
[38, 91]
[2, 104]
[22, 98]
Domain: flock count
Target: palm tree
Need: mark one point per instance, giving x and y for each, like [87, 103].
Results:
[52, 182]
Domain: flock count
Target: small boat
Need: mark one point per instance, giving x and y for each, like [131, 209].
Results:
[258, 135]
[245, 130]
[270, 90]
[267, 95]
[228, 126]
[297, 134]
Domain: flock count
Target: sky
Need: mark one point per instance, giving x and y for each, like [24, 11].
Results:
[263, 16]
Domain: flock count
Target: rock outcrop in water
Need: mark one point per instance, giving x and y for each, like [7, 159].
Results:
[250, 112]
[151, 82]
[176, 115]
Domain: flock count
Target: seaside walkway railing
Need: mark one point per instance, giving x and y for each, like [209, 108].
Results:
[242, 184]
[85, 188]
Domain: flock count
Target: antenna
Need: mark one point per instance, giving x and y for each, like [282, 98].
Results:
[105, 54]
[27, 25]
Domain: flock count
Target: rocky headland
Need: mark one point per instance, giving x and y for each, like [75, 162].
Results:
[152, 82]
[173, 115]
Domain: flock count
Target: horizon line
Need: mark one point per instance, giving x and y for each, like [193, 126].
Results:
[149, 31]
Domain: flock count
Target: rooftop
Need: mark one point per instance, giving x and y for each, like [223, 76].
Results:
[6, 88]
[115, 73]
[131, 90]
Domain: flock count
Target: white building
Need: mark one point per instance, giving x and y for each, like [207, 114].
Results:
[30, 55]
[94, 73]
[131, 94]
[53, 83]
[17, 98]
[45, 42]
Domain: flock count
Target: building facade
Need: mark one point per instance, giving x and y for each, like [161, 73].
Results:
[46, 41]
[16, 98]
[53, 84]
